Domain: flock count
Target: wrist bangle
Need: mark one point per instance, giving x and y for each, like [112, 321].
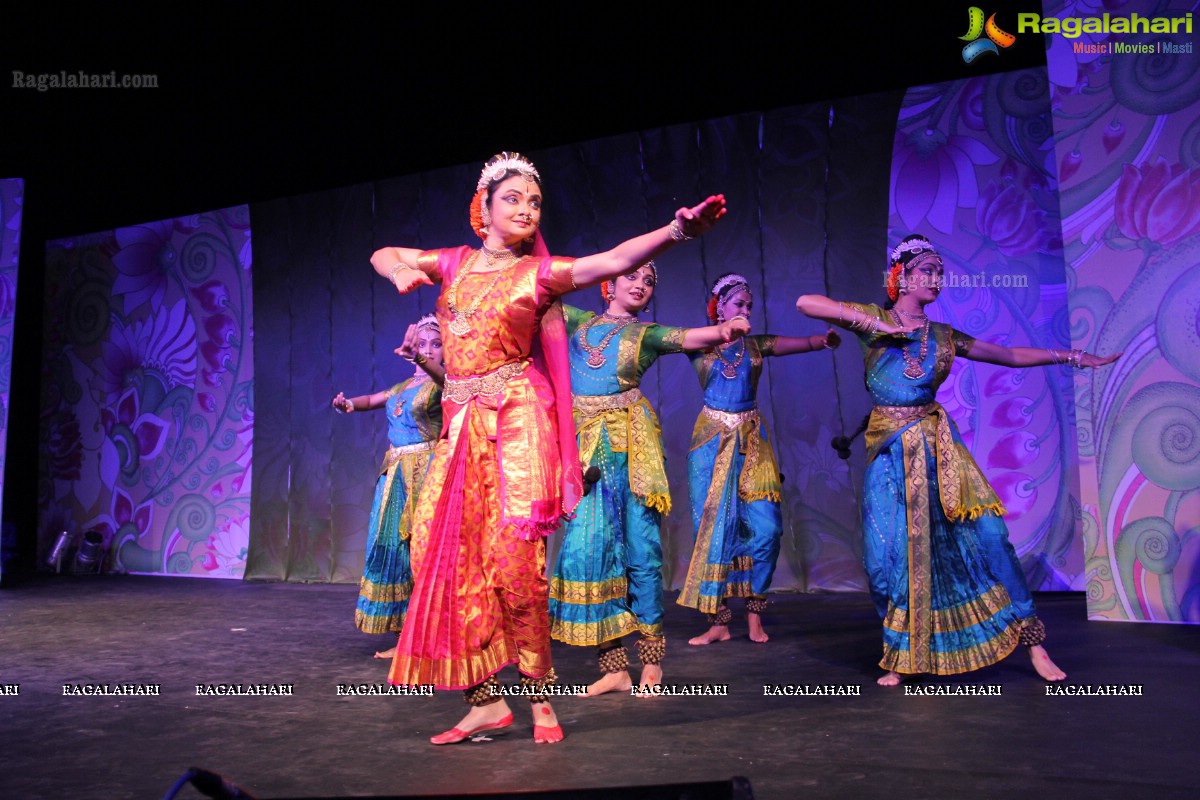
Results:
[349, 406]
[399, 266]
[677, 232]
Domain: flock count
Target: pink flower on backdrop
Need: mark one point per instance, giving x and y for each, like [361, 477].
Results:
[149, 431]
[1008, 216]
[933, 175]
[213, 296]
[1017, 493]
[124, 518]
[1015, 450]
[165, 343]
[143, 261]
[1014, 412]
[226, 548]
[1158, 202]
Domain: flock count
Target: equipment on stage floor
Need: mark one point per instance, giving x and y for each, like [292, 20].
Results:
[736, 788]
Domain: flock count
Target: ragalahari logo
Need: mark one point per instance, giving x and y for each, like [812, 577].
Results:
[976, 28]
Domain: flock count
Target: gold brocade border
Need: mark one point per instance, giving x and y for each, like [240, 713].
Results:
[954, 618]
[384, 592]
[588, 592]
[633, 430]
[451, 673]
[958, 617]
[920, 573]
[370, 623]
[719, 572]
[583, 634]
[690, 595]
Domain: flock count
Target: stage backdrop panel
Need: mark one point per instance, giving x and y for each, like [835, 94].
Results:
[973, 170]
[809, 189]
[12, 193]
[148, 394]
[1127, 142]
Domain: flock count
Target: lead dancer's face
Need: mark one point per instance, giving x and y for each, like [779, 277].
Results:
[516, 209]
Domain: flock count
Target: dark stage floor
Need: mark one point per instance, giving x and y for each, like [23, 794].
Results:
[883, 743]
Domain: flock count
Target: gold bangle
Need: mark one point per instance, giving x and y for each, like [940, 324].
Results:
[395, 269]
[677, 232]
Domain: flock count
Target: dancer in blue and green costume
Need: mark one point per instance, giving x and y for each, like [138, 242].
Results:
[414, 415]
[733, 478]
[944, 577]
[607, 581]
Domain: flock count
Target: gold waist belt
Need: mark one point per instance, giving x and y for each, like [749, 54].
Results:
[590, 405]
[731, 419]
[905, 413]
[460, 390]
[394, 454]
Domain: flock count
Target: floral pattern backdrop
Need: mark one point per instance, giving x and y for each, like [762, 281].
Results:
[12, 192]
[147, 408]
[1127, 144]
[973, 170]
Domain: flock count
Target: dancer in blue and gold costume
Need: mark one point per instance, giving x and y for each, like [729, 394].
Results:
[733, 479]
[607, 581]
[944, 577]
[414, 417]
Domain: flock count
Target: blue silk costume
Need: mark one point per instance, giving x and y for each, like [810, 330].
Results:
[943, 575]
[733, 482]
[414, 417]
[607, 581]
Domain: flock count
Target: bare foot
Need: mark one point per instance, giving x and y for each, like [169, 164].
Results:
[1044, 666]
[889, 679]
[388, 654]
[611, 682]
[757, 634]
[651, 676]
[717, 633]
[493, 716]
[546, 729]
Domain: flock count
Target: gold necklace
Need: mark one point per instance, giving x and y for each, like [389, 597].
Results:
[730, 368]
[596, 357]
[461, 325]
[912, 364]
[907, 315]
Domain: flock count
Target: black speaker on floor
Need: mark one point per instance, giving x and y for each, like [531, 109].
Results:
[736, 788]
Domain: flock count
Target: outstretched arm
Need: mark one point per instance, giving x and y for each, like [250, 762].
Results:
[399, 265]
[787, 345]
[844, 316]
[364, 402]
[632, 253]
[1034, 356]
[704, 338]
